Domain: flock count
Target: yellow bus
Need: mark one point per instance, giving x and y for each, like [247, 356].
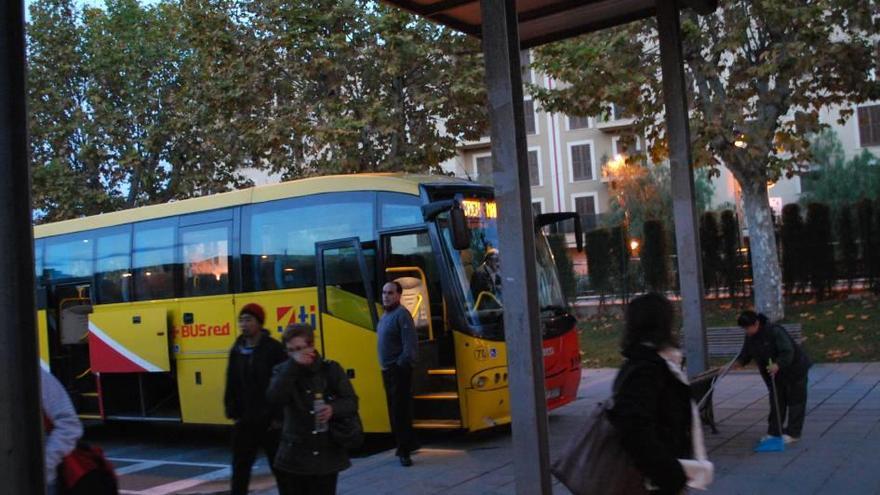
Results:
[137, 309]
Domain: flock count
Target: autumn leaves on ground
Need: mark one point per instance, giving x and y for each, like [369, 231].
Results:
[844, 328]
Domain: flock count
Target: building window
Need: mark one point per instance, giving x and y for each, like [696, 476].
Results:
[537, 208]
[578, 122]
[585, 207]
[529, 111]
[534, 168]
[484, 169]
[525, 61]
[869, 125]
[618, 146]
[581, 162]
[613, 113]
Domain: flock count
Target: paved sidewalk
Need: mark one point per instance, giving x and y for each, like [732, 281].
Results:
[837, 454]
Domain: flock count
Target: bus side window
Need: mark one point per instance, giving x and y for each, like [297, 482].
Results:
[205, 259]
[69, 256]
[154, 258]
[396, 209]
[413, 252]
[278, 238]
[38, 261]
[113, 265]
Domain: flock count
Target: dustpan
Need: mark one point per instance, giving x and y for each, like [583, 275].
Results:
[771, 444]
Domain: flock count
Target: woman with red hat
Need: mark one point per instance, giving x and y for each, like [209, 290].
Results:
[257, 423]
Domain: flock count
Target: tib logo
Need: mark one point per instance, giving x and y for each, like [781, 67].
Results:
[302, 316]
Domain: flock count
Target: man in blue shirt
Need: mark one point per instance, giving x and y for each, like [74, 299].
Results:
[398, 354]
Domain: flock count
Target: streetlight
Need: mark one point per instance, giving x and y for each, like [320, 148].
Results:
[634, 246]
[614, 166]
[614, 169]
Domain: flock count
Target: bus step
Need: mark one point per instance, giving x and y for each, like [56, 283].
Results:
[90, 416]
[442, 371]
[437, 424]
[441, 409]
[437, 396]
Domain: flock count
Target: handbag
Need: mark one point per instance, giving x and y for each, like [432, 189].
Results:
[593, 460]
[345, 431]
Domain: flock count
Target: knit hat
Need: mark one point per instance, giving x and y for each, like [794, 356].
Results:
[254, 310]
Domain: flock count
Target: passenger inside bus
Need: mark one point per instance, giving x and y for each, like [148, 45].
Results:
[486, 281]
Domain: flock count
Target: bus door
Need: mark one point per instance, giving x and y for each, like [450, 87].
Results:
[347, 318]
[68, 339]
[408, 259]
[205, 321]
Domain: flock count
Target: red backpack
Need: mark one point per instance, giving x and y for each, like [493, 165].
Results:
[85, 471]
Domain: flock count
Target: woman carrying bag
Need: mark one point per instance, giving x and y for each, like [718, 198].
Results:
[653, 412]
[647, 438]
[320, 413]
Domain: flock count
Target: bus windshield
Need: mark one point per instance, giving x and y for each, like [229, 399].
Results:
[479, 270]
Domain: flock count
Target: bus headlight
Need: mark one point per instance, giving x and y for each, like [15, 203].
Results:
[490, 379]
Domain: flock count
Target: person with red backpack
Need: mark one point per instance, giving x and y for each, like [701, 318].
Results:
[73, 467]
[63, 428]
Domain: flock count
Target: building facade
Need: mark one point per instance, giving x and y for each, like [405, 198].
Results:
[861, 132]
[567, 154]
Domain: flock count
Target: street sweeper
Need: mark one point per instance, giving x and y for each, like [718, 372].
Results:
[783, 365]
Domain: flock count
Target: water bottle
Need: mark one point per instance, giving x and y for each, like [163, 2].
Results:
[320, 426]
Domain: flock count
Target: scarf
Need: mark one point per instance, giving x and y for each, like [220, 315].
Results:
[699, 471]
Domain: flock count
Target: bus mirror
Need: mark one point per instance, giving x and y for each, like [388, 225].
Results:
[461, 235]
[545, 219]
[431, 210]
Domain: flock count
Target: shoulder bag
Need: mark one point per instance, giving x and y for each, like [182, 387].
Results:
[594, 462]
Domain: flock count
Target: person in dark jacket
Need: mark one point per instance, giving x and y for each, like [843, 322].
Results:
[652, 405]
[398, 356]
[487, 278]
[309, 461]
[257, 423]
[780, 359]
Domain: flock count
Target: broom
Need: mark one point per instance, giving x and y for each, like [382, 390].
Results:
[773, 444]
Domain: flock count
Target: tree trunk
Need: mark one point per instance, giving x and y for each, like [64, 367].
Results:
[766, 274]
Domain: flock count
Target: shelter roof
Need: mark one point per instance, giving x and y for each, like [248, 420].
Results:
[544, 21]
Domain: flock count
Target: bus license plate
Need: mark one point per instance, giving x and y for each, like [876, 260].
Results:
[553, 393]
